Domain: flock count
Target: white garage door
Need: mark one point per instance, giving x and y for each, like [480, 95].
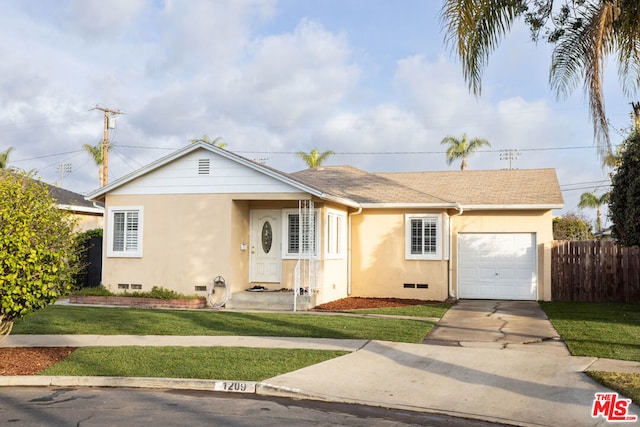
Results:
[497, 266]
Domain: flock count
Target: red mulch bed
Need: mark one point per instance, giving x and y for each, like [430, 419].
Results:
[30, 360]
[355, 303]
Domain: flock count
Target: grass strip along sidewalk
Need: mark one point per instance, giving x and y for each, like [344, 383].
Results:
[229, 363]
[606, 330]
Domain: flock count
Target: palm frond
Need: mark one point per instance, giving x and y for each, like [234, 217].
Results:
[580, 55]
[474, 28]
[314, 158]
[627, 28]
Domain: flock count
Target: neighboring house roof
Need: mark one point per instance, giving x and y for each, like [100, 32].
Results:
[68, 200]
[500, 189]
[496, 189]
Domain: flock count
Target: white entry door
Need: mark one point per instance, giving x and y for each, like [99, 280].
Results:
[265, 258]
[497, 266]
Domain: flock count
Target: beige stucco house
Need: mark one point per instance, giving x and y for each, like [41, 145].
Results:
[333, 232]
[88, 215]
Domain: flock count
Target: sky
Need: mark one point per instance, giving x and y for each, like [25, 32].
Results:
[372, 80]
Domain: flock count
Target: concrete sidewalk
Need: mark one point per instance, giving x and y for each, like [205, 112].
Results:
[491, 360]
[180, 341]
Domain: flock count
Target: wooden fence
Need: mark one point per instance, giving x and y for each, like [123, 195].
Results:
[594, 271]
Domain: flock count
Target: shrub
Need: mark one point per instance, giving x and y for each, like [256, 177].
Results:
[38, 250]
[97, 291]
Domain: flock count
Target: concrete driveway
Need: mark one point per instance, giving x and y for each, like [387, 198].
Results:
[498, 361]
[497, 324]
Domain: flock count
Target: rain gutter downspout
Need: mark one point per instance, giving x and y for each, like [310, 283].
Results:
[460, 211]
[349, 237]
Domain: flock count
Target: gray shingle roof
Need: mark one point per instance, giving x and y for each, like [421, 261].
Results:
[66, 197]
[515, 187]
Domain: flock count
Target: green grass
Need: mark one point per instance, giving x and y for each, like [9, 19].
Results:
[626, 384]
[431, 310]
[222, 363]
[608, 330]
[128, 321]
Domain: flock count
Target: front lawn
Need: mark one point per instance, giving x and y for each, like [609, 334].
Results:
[129, 321]
[608, 330]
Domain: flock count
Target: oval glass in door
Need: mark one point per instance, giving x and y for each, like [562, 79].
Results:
[267, 237]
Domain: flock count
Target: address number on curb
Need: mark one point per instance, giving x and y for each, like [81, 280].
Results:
[235, 386]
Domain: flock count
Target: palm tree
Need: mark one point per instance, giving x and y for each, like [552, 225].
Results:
[584, 34]
[590, 200]
[314, 158]
[4, 157]
[461, 148]
[217, 142]
[97, 154]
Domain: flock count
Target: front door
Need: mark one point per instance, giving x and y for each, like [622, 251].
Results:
[265, 259]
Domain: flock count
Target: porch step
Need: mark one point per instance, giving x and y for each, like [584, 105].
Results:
[273, 301]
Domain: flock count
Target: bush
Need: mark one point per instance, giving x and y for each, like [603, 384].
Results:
[38, 249]
[96, 291]
[155, 292]
[571, 227]
[624, 202]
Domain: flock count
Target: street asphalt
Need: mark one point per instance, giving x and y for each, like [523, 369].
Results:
[498, 361]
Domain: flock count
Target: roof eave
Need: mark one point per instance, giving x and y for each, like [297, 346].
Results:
[513, 207]
[457, 205]
[408, 205]
[82, 209]
[340, 200]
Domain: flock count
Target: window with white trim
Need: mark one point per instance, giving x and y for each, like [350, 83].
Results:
[124, 232]
[423, 239]
[292, 234]
[335, 234]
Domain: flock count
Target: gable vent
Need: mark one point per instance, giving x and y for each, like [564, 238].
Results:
[204, 166]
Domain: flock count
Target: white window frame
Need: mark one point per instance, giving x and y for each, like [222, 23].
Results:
[285, 233]
[435, 255]
[131, 253]
[335, 235]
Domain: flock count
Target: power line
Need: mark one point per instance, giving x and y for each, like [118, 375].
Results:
[586, 182]
[383, 153]
[45, 156]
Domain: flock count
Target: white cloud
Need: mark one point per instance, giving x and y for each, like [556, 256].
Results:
[295, 77]
[96, 19]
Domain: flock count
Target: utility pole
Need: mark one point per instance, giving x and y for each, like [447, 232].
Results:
[510, 154]
[109, 123]
[636, 115]
[63, 169]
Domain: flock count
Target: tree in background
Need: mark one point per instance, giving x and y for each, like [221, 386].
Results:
[591, 201]
[4, 157]
[314, 158]
[584, 34]
[97, 154]
[624, 197]
[217, 142]
[571, 227]
[462, 148]
[38, 257]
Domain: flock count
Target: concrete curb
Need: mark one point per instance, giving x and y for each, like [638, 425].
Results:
[155, 383]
